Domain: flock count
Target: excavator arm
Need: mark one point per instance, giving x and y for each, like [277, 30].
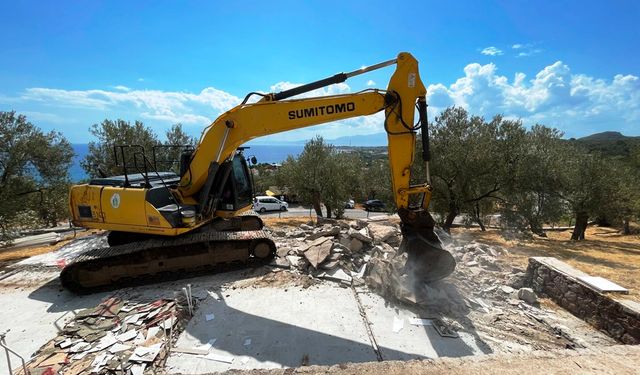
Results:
[272, 114]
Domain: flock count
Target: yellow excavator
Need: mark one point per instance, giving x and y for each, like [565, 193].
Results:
[165, 223]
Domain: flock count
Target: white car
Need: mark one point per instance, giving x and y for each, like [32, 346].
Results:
[264, 204]
[350, 204]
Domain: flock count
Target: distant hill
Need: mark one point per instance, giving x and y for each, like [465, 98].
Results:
[372, 140]
[609, 143]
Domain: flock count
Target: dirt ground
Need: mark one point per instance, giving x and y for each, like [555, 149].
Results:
[616, 360]
[605, 252]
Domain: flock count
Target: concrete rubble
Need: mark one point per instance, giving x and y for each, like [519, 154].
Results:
[117, 336]
[484, 293]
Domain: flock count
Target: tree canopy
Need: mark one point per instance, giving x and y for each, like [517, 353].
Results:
[33, 174]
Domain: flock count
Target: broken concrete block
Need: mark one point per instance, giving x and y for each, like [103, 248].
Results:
[317, 254]
[507, 289]
[315, 242]
[361, 223]
[362, 235]
[527, 295]
[333, 231]
[294, 260]
[306, 227]
[381, 233]
[355, 245]
[344, 240]
[337, 274]
[281, 262]
[283, 252]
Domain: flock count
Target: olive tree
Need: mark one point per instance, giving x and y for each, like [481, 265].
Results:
[101, 162]
[319, 176]
[33, 174]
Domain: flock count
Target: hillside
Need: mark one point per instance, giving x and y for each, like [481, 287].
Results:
[609, 143]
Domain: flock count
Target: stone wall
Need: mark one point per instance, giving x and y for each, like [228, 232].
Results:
[557, 280]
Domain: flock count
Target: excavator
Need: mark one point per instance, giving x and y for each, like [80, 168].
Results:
[200, 219]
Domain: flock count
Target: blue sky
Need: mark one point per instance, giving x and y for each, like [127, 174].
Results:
[573, 65]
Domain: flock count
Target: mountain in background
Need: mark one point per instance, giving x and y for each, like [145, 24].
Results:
[377, 139]
[609, 143]
[367, 140]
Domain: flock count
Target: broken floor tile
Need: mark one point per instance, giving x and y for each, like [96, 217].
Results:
[129, 335]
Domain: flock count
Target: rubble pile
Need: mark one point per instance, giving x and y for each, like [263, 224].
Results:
[368, 251]
[115, 337]
[484, 294]
[337, 250]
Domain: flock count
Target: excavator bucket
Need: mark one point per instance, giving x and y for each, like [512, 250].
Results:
[427, 260]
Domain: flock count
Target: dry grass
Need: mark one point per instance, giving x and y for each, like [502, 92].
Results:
[604, 253]
[286, 221]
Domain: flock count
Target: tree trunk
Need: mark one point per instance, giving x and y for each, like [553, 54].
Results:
[328, 210]
[602, 221]
[476, 214]
[451, 215]
[626, 230]
[536, 228]
[315, 201]
[582, 219]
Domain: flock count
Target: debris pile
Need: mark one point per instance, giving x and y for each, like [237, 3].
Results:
[484, 294]
[337, 250]
[115, 337]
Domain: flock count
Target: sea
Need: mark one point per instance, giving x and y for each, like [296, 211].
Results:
[264, 154]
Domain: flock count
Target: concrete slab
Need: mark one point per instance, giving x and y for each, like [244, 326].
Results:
[320, 325]
[412, 341]
[34, 313]
[603, 285]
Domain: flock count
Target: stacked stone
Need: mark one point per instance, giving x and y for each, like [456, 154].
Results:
[620, 319]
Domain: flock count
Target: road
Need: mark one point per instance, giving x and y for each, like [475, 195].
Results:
[300, 211]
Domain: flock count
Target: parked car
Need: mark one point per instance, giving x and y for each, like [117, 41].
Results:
[265, 203]
[374, 205]
[350, 204]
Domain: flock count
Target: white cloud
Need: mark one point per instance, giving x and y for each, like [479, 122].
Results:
[371, 83]
[491, 51]
[576, 103]
[168, 106]
[121, 88]
[525, 50]
[529, 52]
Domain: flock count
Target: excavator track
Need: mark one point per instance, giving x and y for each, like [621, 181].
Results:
[172, 257]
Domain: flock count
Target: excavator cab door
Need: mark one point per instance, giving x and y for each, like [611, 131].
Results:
[238, 190]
